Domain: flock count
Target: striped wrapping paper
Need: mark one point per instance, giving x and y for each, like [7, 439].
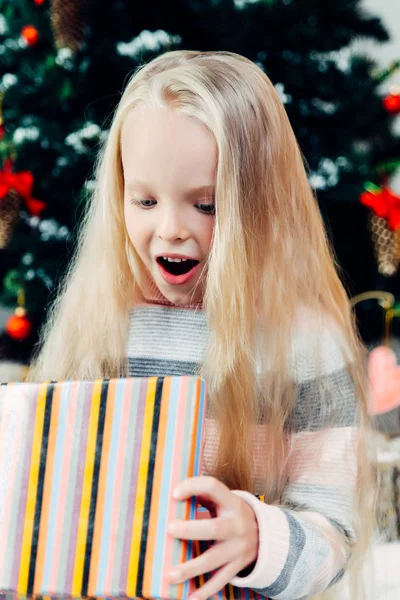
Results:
[86, 475]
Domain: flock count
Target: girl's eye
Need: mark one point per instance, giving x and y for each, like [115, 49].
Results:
[207, 209]
[145, 203]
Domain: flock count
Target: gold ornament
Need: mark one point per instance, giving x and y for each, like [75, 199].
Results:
[9, 214]
[386, 245]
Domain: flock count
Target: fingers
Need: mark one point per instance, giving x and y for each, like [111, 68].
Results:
[234, 529]
[208, 488]
[219, 528]
[217, 582]
[208, 561]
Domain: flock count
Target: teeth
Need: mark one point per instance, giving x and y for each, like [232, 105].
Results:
[174, 259]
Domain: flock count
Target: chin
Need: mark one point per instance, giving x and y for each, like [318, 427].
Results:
[181, 298]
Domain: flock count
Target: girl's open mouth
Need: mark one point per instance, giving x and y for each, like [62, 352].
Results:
[177, 271]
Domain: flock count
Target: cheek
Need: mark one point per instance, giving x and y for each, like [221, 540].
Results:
[135, 229]
[208, 233]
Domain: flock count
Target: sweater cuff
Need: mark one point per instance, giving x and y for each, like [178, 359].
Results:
[273, 549]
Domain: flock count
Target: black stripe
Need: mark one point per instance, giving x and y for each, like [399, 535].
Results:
[95, 486]
[149, 487]
[149, 367]
[226, 590]
[204, 546]
[327, 402]
[39, 493]
[196, 552]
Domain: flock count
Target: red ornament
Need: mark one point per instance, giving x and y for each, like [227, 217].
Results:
[19, 326]
[30, 34]
[392, 102]
[2, 131]
[385, 204]
[39, 2]
[22, 183]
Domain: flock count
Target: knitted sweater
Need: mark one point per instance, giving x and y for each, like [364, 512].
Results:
[302, 542]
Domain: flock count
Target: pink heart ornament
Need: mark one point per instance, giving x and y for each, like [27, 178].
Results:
[384, 379]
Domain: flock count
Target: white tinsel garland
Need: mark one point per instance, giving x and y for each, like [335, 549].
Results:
[153, 41]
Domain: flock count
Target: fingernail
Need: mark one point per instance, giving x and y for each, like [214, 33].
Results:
[175, 494]
[174, 575]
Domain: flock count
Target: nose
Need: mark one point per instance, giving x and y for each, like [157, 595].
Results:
[170, 226]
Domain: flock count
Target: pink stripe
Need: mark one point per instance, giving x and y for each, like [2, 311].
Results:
[324, 457]
[23, 491]
[136, 442]
[70, 436]
[4, 449]
[9, 449]
[175, 480]
[86, 398]
[119, 483]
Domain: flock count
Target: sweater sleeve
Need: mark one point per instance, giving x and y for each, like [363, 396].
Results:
[305, 542]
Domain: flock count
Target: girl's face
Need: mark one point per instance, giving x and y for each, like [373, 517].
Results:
[169, 162]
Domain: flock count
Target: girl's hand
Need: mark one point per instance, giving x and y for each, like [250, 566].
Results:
[233, 526]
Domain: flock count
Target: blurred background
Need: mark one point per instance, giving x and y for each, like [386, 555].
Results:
[63, 66]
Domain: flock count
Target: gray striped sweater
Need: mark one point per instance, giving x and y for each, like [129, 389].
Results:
[303, 542]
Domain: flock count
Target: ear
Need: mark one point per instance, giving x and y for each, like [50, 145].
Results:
[384, 380]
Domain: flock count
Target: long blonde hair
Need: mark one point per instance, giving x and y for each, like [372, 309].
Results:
[270, 256]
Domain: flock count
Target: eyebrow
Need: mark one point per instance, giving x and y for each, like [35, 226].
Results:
[190, 192]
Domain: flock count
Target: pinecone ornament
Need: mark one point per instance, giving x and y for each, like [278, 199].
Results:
[9, 214]
[68, 23]
[386, 245]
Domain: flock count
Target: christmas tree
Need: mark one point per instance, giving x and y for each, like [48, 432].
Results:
[63, 66]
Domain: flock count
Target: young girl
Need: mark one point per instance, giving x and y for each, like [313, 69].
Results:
[203, 252]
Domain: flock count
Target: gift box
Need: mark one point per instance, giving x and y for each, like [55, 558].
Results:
[87, 470]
